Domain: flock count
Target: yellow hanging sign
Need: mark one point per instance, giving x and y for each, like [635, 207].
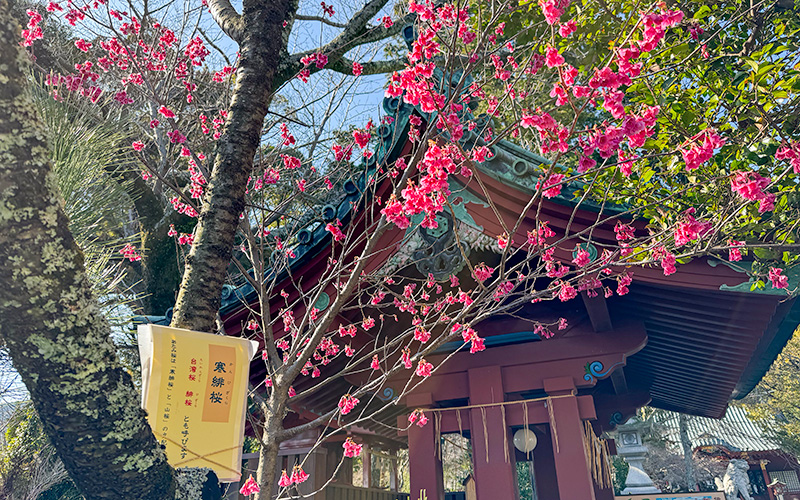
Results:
[194, 388]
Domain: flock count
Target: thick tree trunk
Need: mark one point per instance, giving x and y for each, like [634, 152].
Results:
[260, 54]
[161, 269]
[51, 324]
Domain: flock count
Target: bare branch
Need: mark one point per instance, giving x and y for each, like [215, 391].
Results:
[227, 18]
[345, 66]
[355, 33]
[320, 19]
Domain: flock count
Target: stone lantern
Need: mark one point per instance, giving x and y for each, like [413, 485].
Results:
[631, 448]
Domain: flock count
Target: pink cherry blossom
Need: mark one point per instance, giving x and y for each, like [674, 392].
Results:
[421, 334]
[690, 229]
[249, 487]
[335, 230]
[750, 186]
[351, 448]
[288, 138]
[568, 28]
[166, 112]
[476, 345]
[778, 280]
[553, 9]
[666, 259]
[83, 45]
[502, 241]
[361, 137]
[33, 31]
[347, 403]
[129, 252]
[567, 292]
[552, 187]
[418, 417]
[553, 58]
[623, 280]
[482, 272]
[298, 475]
[700, 148]
[585, 164]
[423, 368]
[406, 357]
[582, 258]
[735, 252]
[790, 152]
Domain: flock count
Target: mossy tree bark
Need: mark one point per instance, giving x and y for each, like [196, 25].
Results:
[51, 324]
[161, 268]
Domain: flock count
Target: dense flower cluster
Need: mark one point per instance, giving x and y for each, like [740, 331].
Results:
[751, 186]
[778, 279]
[460, 142]
[690, 229]
[700, 148]
[790, 152]
[424, 368]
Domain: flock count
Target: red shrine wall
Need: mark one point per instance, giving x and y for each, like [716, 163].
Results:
[556, 369]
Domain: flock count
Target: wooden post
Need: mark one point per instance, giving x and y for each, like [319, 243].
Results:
[366, 467]
[763, 465]
[393, 471]
[494, 468]
[232, 490]
[425, 468]
[315, 467]
[572, 468]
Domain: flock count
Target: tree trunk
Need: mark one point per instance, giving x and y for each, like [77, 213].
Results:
[161, 269]
[688, 460]
[49, 320]
[207, 263]
[268, 456]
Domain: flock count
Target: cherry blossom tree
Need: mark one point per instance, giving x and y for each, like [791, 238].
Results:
[468, 82]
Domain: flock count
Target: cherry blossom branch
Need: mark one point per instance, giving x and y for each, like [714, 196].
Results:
[345, 66]
[323, 20]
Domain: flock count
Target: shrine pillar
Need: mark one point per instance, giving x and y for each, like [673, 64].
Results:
[572, 467]
[366, 467]
[492, 450]
[425, 467]
[393, 486]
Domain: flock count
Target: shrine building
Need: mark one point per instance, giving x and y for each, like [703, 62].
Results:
[690, 342]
